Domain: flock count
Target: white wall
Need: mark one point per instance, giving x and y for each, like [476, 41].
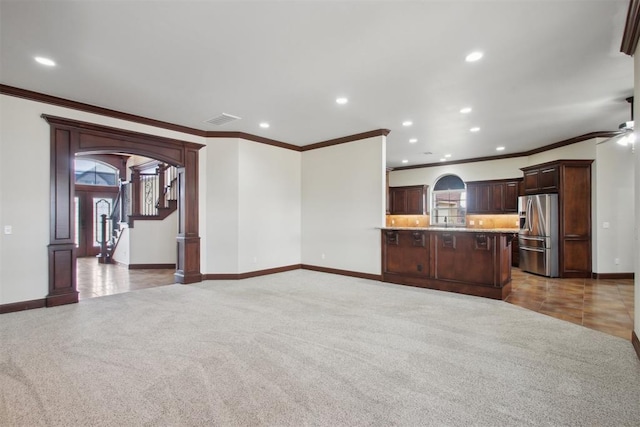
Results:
[343, 201]
[269, 207]
[252, 209]
[154, 242]
[24, 197]
[614, 182]
[475, 171]
[122, 254]
[219, 206]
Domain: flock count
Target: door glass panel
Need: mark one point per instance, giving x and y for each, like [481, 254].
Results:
[101, 206]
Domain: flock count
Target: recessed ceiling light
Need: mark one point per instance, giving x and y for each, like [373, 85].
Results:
[407, 123]
[413, 140]
[45, 61]
[443, 159]
[264, 125]
[342, 100]
[473, 56]
[447, 155]
[499, 148]
[465, 110]
[405, 161]
[474, 129]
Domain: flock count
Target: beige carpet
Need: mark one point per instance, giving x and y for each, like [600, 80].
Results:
[307, 348]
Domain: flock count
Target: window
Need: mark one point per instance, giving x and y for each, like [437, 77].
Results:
[91, 172]
[449, 202]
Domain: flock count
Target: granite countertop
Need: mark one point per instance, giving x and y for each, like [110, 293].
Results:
[456, 229]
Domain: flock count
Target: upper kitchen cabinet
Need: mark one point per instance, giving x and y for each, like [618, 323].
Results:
[541, 179]
[492, 197]
[408, 200]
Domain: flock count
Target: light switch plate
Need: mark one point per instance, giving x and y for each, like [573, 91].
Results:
[8, 229]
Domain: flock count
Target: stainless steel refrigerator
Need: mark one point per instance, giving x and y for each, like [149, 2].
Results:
[538, 235]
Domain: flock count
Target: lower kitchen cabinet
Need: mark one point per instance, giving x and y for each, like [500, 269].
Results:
[473, 262]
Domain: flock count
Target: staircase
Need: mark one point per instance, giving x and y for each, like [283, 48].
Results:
[146, 196]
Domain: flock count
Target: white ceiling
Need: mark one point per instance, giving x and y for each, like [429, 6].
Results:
[552, 69]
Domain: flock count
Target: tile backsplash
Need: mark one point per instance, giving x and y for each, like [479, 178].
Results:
[407, 220]
[473, 221]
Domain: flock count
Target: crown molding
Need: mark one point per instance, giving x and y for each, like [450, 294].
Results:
[631, 29]
[345, 139]
[574, 140]
[61, 102]
[250, 137]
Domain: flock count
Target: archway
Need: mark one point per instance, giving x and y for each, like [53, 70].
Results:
[69, 137]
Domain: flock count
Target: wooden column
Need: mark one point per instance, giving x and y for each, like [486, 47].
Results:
[62, 248]
[135, 192]
[188, 240]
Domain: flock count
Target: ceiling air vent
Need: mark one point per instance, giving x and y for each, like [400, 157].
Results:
[222, 119]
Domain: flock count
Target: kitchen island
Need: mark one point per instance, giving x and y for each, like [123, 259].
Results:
[463, 260]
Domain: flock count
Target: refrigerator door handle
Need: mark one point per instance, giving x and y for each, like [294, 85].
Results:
[524, 248]
[529, 213]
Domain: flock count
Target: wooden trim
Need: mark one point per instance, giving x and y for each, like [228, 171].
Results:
[150, 266]
[61, 102]
[574, 140]
[636, 342]
[69, 137]
[122, 134]
[613, 276]
[357, 274]
[254, 138]
[345, 139]
[239, 276]
[631, 29]
[23, 305]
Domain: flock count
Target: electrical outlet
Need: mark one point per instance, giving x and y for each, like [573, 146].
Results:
[480, 222]
[616, 261]
[255, 259]
[606, 225]
[472, 222]
[8, 229]
[322, 256]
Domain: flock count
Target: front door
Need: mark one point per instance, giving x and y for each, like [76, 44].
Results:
[90, 203]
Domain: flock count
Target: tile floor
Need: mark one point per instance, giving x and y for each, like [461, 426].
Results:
[96, 280]
[604, 305]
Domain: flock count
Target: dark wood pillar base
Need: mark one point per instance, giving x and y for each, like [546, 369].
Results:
[636, 342]
[188, 266]
[62, 299]
[62, 275]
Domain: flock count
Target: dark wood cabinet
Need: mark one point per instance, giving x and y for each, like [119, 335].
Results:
[515, 253]
[407, 253]
[408, 200]
[511, 193]
[541, 179]
[469, 262]
[571, 179]
[492, 197]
